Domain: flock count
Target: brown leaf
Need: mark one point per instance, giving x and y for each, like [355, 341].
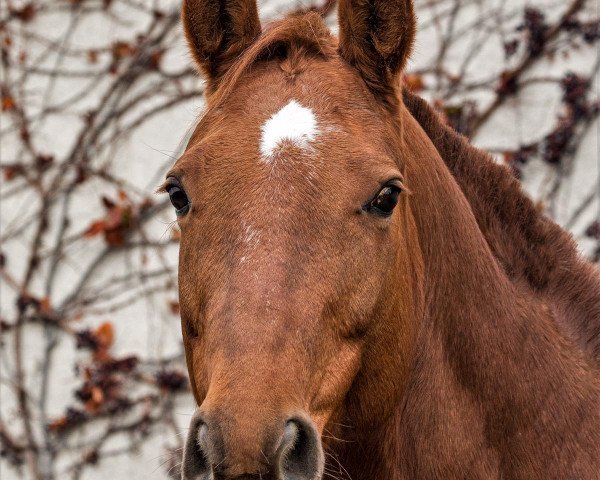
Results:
[24, 134]
[507, 84]
[59, 424]
[91, 406]
[102, 356]
[25, 13]
[95, 228]
[414, 82]
[174, 307]
[44, 161]
[92, 56]
[120, 218]
[155, 59]
[171, 381]
[114, 238]
[11, 171]
[45, 307]
[105, 335]
[97, 395]
[122, 50]
[8, 103]
[114, 218]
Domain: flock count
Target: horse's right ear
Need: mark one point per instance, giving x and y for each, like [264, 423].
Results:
[376, 38]
[218, 31]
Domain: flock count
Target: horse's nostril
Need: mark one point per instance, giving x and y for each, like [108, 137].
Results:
[301, 454]
[208, 455]
[195, 463]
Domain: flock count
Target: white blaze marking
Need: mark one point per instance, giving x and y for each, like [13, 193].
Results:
[293, 122]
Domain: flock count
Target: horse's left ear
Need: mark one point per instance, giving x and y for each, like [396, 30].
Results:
[218, 31]
[376, 37]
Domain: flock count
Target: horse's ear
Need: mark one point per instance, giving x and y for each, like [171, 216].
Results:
[376, 37]
[218, 31]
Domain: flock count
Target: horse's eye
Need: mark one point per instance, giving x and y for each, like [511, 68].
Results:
[178, 198]
[384, 202]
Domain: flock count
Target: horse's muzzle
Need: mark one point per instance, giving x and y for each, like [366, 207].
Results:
[293, 452]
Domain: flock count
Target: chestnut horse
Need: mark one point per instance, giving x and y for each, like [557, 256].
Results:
[363, 294]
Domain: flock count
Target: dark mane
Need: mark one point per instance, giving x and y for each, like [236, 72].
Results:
[532, 249]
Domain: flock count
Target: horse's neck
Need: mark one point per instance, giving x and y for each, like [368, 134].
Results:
[532, 249]
[495, 387]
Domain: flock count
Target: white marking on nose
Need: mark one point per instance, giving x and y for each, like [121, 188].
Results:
[251, 236]
[293, 122]
[250, 239]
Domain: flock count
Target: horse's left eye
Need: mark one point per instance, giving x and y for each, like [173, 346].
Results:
[178, 198]
[385, 201]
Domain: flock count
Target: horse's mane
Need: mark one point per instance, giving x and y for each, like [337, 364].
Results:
[294, 38]
[533, 250]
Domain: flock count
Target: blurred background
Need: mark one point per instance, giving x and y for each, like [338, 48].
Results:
[97, 100]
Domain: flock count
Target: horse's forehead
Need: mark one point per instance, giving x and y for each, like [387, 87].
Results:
[289, 139]
[267, 112]
[294, 123]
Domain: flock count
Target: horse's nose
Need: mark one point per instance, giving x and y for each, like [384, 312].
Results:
[296, 454]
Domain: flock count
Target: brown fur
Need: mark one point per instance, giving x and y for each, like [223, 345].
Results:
[530, 247]
[424, 346]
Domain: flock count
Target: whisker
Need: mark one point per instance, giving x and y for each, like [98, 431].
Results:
[341, 440]
[177, 465]
[342, 468]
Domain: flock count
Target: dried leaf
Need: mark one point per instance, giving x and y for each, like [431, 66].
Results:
[59, 424]
[10, 172]
[92, 56]
[8, 103]
[174, 307]
[91, 407]
[508, 156]
[155, 59]
[105, 334]
[97, 395]
[95, 228]
[25, 13]
[414, 82]
[45, 307]
[171, 381]
[122, 50]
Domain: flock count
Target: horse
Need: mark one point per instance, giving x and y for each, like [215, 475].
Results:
[363, 294]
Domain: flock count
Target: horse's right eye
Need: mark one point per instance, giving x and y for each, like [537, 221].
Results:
[178, 198]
